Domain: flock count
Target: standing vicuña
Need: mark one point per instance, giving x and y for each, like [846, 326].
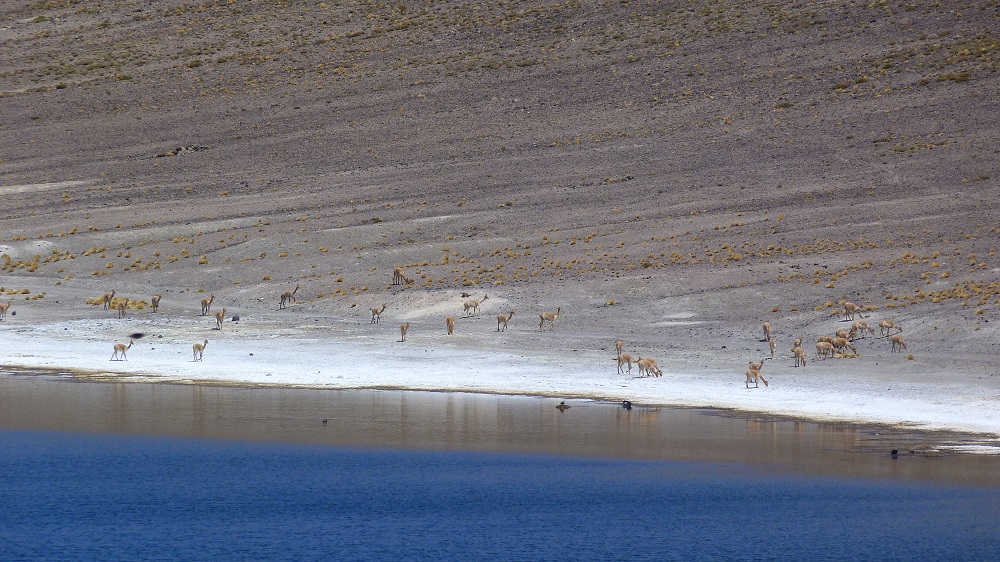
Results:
[403, 328]
[121, 306]
[897, 343]
[199, 349]
[752, 376]
[400, 278]
[767, 331]
[108, 297]
[861, 327]
[288, 297]
[219, 317]
[841, 344]
[549, 317]
[449, 323]
[625, 358]
[377, 313]
[503, 319]
[648, 366]
[156, 302]
[206, 304]
[120, 350]
[851, 309]
[886, 327]
[3, 308]
[473, 305]
[800, 357]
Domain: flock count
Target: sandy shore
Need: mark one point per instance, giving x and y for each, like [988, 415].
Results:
[286, 348]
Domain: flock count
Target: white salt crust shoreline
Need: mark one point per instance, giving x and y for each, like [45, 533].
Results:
[341, 360]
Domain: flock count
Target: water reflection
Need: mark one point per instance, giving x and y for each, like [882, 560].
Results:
[423, 420]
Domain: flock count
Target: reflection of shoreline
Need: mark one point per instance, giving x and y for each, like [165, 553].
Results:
[987, 442]
[484, 422]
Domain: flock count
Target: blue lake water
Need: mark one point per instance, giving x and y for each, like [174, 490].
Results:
[134, 472]
[113, 497]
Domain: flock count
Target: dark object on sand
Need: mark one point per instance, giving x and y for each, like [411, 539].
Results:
[626, 404]
[137, 335]
[562, 406]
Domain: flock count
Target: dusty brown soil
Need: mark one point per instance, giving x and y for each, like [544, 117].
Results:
[668, 173]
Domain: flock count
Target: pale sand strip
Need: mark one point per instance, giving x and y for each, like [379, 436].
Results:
[245, 355]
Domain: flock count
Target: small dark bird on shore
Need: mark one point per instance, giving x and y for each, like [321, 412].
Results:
[562, 406]
[626, 404]
[324, 421]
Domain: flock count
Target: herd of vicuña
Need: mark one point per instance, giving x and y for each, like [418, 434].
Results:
[840, 344]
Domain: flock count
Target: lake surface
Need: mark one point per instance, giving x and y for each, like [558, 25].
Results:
[116, 471]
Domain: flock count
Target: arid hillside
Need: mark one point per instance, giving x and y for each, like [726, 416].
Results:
[733, 160]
